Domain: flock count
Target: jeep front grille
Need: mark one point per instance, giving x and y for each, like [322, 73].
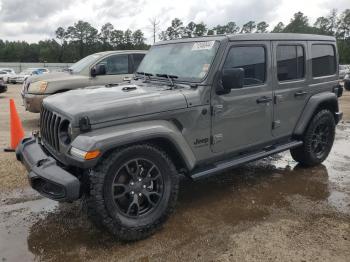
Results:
[49, 128]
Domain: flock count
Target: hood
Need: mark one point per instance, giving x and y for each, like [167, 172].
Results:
[104, 104]
[55, 76]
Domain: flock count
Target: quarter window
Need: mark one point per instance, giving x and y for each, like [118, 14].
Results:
[323, 60]
[116, 65]
[290, 62]
[252, 60]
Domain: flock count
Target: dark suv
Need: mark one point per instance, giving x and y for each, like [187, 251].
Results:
[195, 107]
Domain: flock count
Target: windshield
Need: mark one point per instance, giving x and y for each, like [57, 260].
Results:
[188, 61]
[81, 64]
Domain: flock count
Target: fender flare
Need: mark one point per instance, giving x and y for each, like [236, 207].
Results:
[322, 100]
[108, 138]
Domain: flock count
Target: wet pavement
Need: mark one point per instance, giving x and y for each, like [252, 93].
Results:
[209, 213]
[269, 210]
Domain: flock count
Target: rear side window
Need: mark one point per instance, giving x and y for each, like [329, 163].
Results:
[323, 60]
[290, 62]
[137, 60]
[252, 59]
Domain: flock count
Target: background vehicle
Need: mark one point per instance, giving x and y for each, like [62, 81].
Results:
[6, 73]
[5, 76]
[42, 70]
[96, 69]
[23, 76]
[197, 106]
[3, 86]
[343, 70]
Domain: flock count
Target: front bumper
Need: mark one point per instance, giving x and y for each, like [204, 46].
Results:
[33, 102]
[44, 174]
[3, 88]
[16, 80]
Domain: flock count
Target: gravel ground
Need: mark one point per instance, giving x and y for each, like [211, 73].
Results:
[269, 210]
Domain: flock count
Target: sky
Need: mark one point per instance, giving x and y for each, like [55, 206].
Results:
[34, 20]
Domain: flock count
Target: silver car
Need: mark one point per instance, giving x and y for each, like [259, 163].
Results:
[96, 69]
[6, 73]
[25, 74]
[343, 70]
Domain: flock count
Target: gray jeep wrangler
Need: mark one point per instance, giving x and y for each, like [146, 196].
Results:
[195, 107]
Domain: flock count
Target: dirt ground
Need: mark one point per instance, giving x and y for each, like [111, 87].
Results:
[269, 210]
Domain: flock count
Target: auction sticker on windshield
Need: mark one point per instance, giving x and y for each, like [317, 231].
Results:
[203, 45]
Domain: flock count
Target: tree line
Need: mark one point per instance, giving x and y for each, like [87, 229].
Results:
[81, 39]
[72, 43]
[334, 24]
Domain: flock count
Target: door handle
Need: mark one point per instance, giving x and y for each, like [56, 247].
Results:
[264, 99]
[300, 93]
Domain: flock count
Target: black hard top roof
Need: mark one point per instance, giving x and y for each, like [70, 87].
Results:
[256, 37]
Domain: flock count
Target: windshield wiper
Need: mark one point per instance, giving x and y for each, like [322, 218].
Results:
[170, 78]
[145, 74]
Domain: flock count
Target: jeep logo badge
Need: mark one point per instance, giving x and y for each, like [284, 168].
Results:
[201, 141]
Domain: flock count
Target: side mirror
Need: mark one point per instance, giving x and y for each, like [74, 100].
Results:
[99, 69]
[231, 78]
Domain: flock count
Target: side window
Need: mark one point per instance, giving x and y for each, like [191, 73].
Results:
[323, 60]
[137, 60]
[116, 64]
[252, 59]
[290, 62]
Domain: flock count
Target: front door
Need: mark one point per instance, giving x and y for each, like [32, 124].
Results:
[290, 87]
[118, 69]
[243, 118]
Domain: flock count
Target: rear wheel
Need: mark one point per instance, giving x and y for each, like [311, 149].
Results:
[318, 140]
[133, 191]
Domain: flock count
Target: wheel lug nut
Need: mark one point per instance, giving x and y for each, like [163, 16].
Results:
[144, 186]
[132, 183]
[132, 192]
[140, 194]
[140, 179]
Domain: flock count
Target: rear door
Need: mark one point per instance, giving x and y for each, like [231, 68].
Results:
[118, 68]
[242, 118]
[290, 85]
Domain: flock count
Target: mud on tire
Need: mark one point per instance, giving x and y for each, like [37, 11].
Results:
[133, 191]
[317, 140]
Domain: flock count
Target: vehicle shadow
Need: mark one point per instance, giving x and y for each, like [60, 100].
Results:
[214, 206]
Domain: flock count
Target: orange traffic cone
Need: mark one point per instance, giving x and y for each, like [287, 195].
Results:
[17, 132]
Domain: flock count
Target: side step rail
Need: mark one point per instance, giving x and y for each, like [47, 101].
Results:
[224, 165]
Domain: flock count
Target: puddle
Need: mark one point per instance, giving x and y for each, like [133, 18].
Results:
[43, 230]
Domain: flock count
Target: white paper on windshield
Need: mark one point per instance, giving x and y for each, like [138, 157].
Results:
[203, 45]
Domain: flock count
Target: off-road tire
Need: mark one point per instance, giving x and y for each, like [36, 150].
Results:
[305, 154]
[99, 201]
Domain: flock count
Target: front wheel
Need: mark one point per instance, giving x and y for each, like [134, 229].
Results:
[318, 140]
[133, 191]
